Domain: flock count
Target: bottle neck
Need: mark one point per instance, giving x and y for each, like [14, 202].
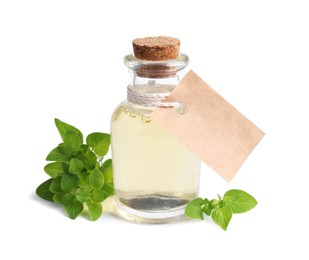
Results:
[137, 80]
[152, 82]
[151, 92]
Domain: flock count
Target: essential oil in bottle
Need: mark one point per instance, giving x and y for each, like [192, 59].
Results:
[155, 176]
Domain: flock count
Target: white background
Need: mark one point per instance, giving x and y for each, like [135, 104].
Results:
[64, 59]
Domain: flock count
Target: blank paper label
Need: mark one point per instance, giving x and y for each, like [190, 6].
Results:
[211, 128]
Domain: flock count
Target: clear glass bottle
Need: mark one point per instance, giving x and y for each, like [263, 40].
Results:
[154, 174]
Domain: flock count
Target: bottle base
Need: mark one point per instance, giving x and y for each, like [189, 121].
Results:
[149, 216]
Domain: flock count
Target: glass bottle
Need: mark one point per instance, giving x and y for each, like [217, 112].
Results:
[155, 176]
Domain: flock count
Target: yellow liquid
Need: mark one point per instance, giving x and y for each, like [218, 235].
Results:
[153, 172]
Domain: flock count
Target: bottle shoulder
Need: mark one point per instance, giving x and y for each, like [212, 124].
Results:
[132, 110]
[127, 104]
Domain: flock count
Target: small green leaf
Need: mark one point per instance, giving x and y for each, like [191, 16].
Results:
[43, 190]
[206, 201]
[65, 167]
[194, 210]
[54, 169]
[76, 166]
[73, 140]
[58, 156]
[239, 201]
[85, 148]
[82, 195]
[68, 198]
[58, 197]
[64, 127]
[213, 204]
[108, 189]
[74, 208]
[207, 210]
[94, 209]
[89, 159]
[83, 180]
[96, 179]
[55, 185]
[222, 216]
[98, 195]
[107, 170]
[69, 182]
[99, 142]
[66, 150]
[64, 198]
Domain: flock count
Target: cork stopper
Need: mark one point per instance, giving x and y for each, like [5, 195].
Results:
[156, 48]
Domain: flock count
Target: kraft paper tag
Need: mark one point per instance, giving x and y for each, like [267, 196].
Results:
[211, 128]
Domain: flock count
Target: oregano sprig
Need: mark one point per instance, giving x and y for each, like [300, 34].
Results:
[79, 176]
[221, 209]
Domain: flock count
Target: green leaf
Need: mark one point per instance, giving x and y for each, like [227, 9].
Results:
[55, 185]
[194, 210]
[76, 166]
[89, 159]
[213, 204]
[99, 142]
[83, 180]
[108, 189]
[98, 195]
[94, 209]
[58, 197]
[84, 148]
[68, 198]
[107, 170]
[96, 179]
[64, 198]
[58, 156]
[206, 201]
[74, 208]
[68, 182]
[43, 190]
[65, 167]
[64, 127]
[73, 140]
[239, 201]
[66, 150]
[222, 216]
[207, 210]
[82, 195]
[54, 169]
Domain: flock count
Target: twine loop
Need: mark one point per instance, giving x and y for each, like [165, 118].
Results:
[135, 95]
